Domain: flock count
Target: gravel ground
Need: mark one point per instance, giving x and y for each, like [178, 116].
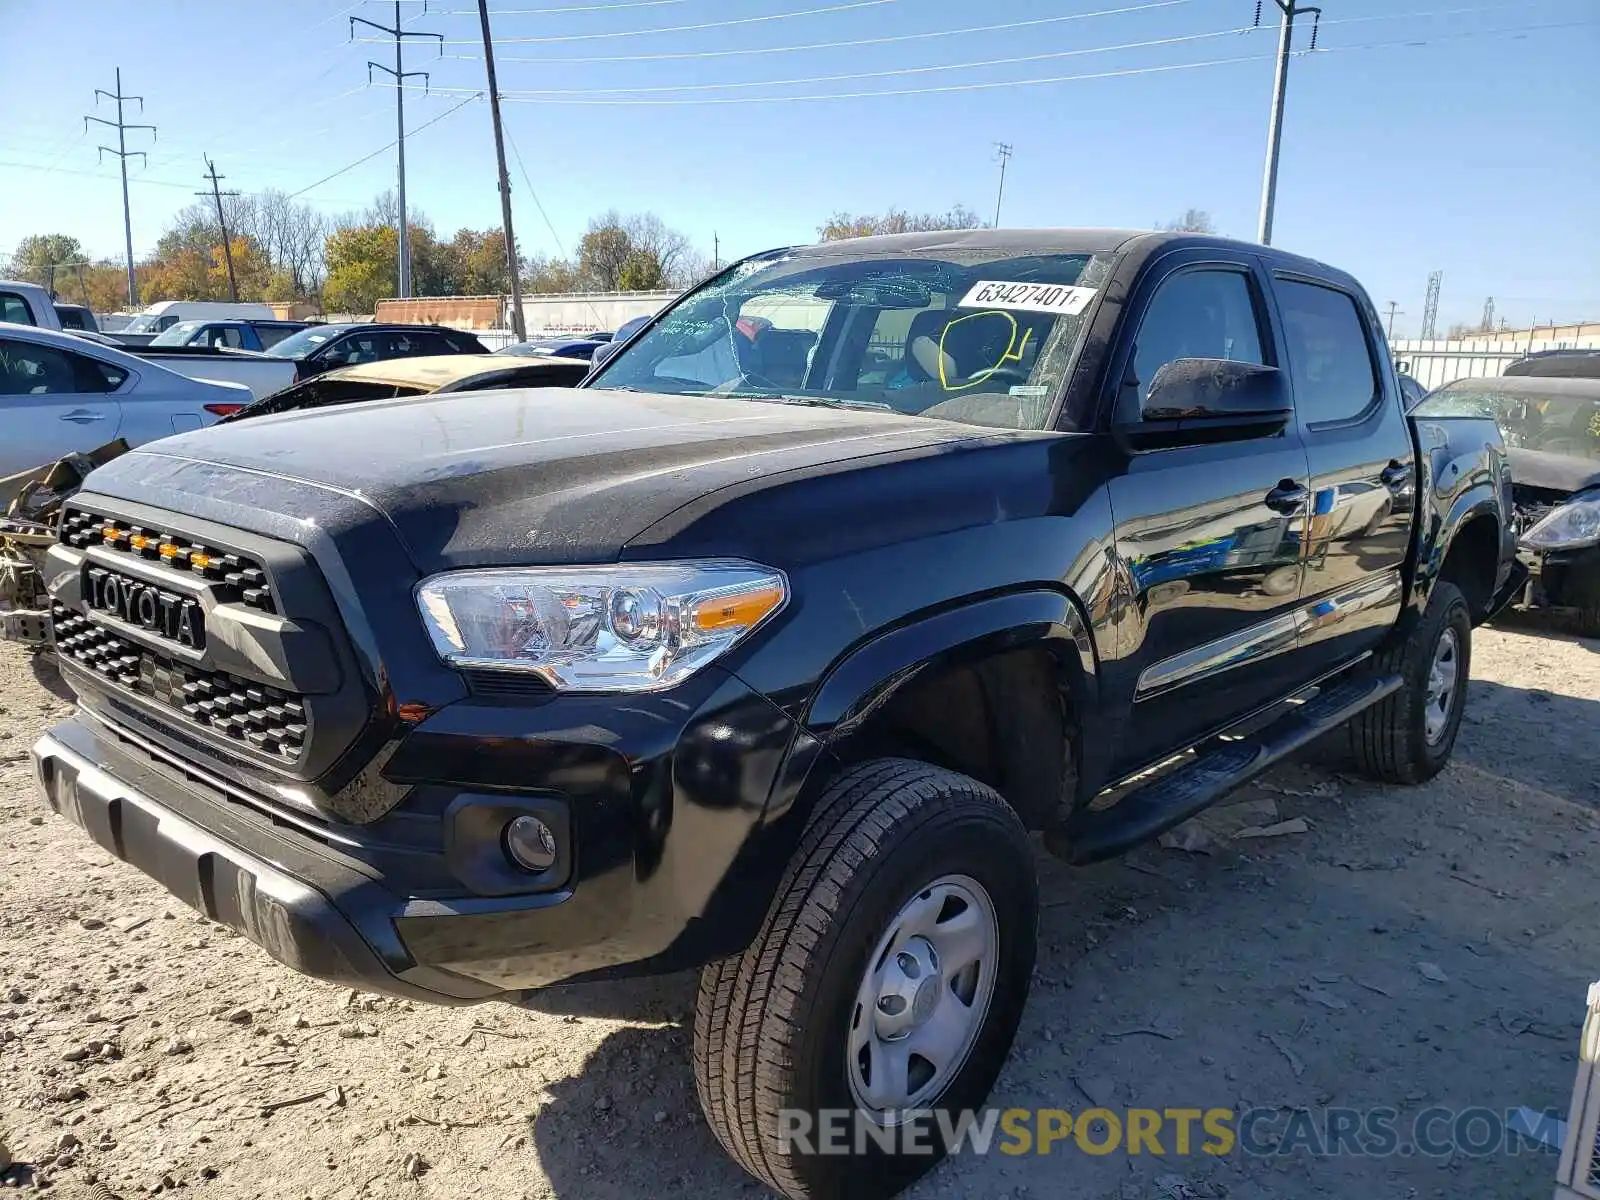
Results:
[1411, 948]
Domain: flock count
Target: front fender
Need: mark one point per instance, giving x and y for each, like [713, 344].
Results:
[1464, 476]
[873, 673]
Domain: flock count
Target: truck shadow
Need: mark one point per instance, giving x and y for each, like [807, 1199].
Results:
[1415, 947]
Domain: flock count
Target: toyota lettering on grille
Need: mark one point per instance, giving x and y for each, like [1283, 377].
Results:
[168, 615]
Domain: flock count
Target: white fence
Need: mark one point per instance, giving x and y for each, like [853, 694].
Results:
[1434, 362]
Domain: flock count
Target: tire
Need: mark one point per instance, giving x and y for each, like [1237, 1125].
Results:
[1391, 740]
[774, 1026]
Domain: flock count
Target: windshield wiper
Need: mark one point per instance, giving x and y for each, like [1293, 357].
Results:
[811, 401]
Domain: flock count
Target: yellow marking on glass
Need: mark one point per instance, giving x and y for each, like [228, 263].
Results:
[1008, 355]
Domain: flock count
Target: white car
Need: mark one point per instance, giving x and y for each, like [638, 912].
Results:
[61, 394]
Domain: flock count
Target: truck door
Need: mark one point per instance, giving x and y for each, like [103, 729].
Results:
[1209, 536]
[1362, 469]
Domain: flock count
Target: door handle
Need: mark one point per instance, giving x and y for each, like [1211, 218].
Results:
[1396, 475]
[82, 416]
[1288, 497]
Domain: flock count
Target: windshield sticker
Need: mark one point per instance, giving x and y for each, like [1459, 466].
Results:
[1028, 297]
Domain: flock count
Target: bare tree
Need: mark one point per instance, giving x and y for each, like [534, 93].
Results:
[896, 220]
[1193, 220]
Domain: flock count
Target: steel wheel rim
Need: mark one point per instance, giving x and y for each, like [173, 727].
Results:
[1443, 677]
[923, 999]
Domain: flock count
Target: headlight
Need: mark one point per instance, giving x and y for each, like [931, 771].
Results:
[629, 627]
[1569, 526]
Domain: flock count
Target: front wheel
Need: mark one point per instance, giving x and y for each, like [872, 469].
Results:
[886, 985]
[1408, 737]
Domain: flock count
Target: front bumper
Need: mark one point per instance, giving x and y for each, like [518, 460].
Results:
[657, 824]
[1560, 579]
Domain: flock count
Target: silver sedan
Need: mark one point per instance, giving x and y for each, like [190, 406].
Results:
[61, 394]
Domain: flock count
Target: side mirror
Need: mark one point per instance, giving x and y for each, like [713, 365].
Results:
[602, 352]
[1198, 400]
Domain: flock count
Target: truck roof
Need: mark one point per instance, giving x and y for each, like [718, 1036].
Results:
[1144, 243]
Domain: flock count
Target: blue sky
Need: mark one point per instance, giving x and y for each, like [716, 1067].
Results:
[1474, 152]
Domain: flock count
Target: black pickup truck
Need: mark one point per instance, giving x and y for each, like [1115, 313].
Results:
[764, 650]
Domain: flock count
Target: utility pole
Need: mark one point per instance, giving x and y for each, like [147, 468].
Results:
[227, 244]
[1002, 154]
[1290, 9]
[1393, 308]
[512, 265]
[400, 74]
[123, 155]
[716, 252]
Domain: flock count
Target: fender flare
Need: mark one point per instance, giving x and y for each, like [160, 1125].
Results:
[872, 673]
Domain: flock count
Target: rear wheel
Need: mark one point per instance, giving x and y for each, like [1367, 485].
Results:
[886, 983]
[1408, 737]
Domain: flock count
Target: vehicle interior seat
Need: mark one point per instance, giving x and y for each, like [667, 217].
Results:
[782, 356]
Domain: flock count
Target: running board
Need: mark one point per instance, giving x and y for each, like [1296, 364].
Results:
[1172, 799]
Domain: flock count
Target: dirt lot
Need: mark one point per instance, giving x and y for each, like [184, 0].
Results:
[1412, 948]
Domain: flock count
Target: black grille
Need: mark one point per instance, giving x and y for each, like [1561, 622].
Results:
[267, 719]
[235, 577]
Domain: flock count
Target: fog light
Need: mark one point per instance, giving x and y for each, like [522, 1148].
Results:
[531, 844]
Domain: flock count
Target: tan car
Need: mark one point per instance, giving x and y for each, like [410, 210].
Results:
[393, 378]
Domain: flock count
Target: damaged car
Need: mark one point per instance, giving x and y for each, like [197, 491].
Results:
[1552, 434]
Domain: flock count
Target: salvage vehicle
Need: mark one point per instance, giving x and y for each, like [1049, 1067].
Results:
[164, 314]
[763, 651]
[36, 496]
[228, 335]
[327, 347]
[1552, 433]
[400, 378]
[62, 394]
[29, 304]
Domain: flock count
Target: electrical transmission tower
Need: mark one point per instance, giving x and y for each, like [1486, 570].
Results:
[1269, 180]
[227, 245]
[123, 155]
[1488, 315]
[1430, 306]
[1002, 154]
[400, 74]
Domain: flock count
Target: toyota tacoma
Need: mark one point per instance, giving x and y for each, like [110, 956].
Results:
[765, 650]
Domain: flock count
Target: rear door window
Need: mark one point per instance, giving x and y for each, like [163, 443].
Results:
[15, 309]
[1330, 357]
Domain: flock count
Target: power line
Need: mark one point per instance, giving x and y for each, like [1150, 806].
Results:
[400, 74]
[897, 72]
[724, 24]
[123, 155]
[548, 223]
[552, 12]
[607, 99]
[1002, 27]
[389, 146]
[851, 43]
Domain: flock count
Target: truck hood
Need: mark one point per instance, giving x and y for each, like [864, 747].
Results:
[547, 475]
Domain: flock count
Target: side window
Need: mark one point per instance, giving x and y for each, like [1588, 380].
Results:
[28, 369]
[271, 335]
[1330, 359]
[403, 345]
[92, 375]
[15, 309]
[166, 322]
[1198, 314]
